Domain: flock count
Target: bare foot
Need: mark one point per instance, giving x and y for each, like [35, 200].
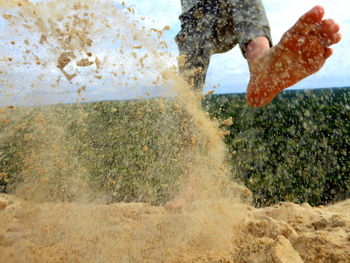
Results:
[185, 196]
[301, 52]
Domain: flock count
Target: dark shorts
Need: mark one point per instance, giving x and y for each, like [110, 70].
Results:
[216, 26]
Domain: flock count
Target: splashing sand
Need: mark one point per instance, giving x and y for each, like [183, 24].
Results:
[215, 227]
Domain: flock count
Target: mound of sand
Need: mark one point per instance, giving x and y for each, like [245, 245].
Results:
[206, 231]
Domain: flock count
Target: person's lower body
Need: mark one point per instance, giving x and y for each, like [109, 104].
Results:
[216, 26]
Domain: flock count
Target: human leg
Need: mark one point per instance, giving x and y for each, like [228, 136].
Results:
[256, 47]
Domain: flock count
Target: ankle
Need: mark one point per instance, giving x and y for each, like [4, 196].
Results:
[256, 47]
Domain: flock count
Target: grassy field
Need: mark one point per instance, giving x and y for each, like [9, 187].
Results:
[295, 149]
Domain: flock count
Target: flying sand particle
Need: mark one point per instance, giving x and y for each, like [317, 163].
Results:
[84, 62]
[228, 122]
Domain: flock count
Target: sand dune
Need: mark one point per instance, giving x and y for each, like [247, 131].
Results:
[206, 231]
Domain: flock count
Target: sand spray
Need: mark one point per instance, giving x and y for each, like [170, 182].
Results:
[69, 37]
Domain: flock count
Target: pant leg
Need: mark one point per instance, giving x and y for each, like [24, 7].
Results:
[196, 44]
[249, 21]
[193, 63]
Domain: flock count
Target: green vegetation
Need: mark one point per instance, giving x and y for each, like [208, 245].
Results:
[295, 149]
[129, 151]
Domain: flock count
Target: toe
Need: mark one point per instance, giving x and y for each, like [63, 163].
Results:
[309, 20]
[329, 40]
[337, 38]
[328, 26]
[313, 16]
[328, 32]
[328, 52]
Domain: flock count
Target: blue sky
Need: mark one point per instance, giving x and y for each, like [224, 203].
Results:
[228, 71]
